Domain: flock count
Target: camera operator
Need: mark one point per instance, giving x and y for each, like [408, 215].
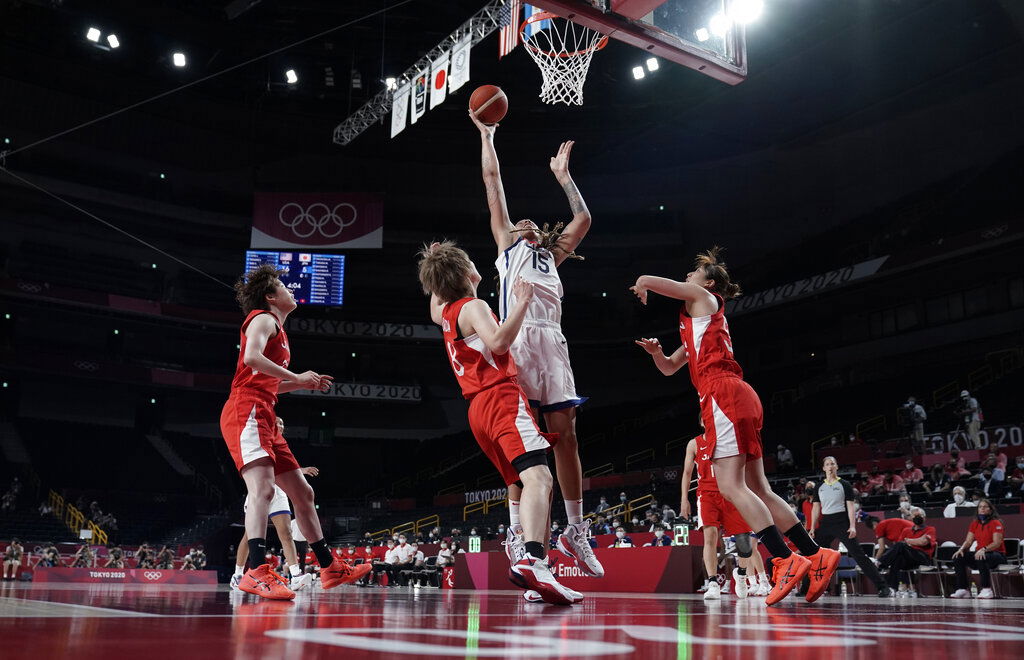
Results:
[912, 414]
[972, 415]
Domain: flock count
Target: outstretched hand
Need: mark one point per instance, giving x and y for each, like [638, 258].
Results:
[560, 161]
[640, 292]
[652, 345]
[486, 131]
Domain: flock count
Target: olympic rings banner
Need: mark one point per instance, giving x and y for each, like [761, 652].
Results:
[124, 575]
[317, 220]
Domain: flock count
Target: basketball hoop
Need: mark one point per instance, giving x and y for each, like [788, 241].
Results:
[562, 51]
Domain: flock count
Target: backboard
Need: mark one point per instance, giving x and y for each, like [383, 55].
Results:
[698, 34]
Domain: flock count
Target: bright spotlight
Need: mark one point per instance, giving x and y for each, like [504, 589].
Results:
[652, 64]
[178, 59]
[720, 24]
[702, 34]
[112, 40]
[391, 82]
[745, 11]
[291, 76]
[638, 72]
[93, 35]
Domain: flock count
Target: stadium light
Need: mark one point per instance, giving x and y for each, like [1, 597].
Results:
[152, 401]
[5, 383]
[702, 34]
[178, 59]
[746, 11]
[93, 35]
[652, 64]
[7, 316]
[112, 40]
[353, 355]
[7, 140]
[323, 413]
[720, 24]
[163, 176]
[291, 76]
[638, 72]
[391, 82]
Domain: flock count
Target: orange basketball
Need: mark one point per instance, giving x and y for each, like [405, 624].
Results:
[489, 104]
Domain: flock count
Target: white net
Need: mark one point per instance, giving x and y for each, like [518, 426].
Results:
[562, 50]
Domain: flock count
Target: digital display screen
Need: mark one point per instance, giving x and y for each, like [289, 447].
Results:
[314, 279]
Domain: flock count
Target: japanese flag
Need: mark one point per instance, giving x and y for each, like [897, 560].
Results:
[439, 79]
[459, 74]
[399, 109]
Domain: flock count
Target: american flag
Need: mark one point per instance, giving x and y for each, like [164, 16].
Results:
[508, 19]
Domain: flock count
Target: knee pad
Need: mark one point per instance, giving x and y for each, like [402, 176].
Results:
[743, 546]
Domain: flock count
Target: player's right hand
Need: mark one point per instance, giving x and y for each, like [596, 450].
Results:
[652, 345]
[485, 130]
[684, 508]
[522, 289]
[309, 380]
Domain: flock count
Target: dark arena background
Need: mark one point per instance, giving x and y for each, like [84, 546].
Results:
[860, 162]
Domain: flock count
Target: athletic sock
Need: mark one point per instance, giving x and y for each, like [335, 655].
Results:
[772, 540]
[574, 511]
[301, 547]
[239, 570]
[805, 545]
[295, 570]
[257, 552]
[513, 516]
[322, 552]
[535, 548]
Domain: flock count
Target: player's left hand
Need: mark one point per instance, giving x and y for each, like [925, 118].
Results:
[852, 532]
[325, 383]
[560, 161]
[310, 471]
[640, 292]
[652, 345]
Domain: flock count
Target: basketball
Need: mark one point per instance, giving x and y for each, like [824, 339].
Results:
[489, 104]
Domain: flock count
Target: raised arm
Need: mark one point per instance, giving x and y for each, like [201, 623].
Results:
[580, 223]
[477, 319]
[501, 226]
[691, 293]
[666, 364]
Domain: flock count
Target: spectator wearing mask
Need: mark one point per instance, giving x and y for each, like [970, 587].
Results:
[405, 554]
[383, 564]
[959, 499]
[905, 506]
[667, 514]
[445, 556]
[115, 557]
[875, 484]
[600, 526]
[784, 459]
[623, 500]
[656, 523]
[188, 563]
[887, 532]
[916, 417]
[988, 484]
[972, 418]
[621, 540]
[987, 533]
[955, 471]
[602, 506]
[911, 474]
[1015, 482]
[892, 483]
[915, 548]
[938, 481]
[660, 538]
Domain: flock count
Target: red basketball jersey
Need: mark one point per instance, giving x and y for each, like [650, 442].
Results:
[276, 351]
[475, 367]
[706, 481]
[708, 346]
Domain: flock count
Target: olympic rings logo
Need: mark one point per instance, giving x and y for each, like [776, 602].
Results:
[319, 217]
[85, 365]
[30, 287]
[153, 575]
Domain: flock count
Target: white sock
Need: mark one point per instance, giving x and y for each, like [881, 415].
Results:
[574, 511]
[295, 570]
[239, 570]
[513, 516]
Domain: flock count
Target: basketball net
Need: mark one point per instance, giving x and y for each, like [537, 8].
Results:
[562, 51]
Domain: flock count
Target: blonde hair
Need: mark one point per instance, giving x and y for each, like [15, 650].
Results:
[715, 270]
[444, 271]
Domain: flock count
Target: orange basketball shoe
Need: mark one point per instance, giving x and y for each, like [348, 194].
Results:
[823, 564]
[787, 574]
[341, 572]
[265, 583]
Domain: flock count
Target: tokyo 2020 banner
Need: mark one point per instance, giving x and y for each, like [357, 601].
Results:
[317, 221]
[124, 576]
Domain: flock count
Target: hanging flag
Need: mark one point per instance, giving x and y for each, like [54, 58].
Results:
[536, 26]
[399, 109]
[459, 74]
[418, 98]
[508, 21]
[439, 79]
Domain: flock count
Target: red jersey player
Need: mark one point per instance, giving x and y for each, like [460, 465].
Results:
[499, 412]
[713, 512]
[732, 416]
[248, 424]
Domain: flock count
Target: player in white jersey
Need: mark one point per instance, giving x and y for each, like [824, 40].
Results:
[540, 350]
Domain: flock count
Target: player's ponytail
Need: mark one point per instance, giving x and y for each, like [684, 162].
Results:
[548, 238]
[715, 269]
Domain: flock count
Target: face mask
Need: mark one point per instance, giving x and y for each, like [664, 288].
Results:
[918, 520]
[394, 538]
[959, 499]
[444, 546]
[1020, 465]
[622, 498]
[636, 520]
[401, 541]
[659, 533]
[904, 505]
[501, 529]
[368, 549]
[982, 518]
[620, 534]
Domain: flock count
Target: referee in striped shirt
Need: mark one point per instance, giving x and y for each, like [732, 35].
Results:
[832, 504]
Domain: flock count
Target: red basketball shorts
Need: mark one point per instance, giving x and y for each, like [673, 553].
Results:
[503, 427]
[713, 510]
[249, 427]
[732, 416]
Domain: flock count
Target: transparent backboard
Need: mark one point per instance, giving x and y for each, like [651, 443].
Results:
[695, 33]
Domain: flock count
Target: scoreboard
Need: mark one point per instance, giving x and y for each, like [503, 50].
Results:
[314, 279]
